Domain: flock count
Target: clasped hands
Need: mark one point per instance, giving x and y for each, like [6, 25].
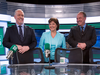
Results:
[81, 45]
[22, 49]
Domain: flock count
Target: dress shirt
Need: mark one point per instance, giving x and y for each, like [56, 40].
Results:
[21, 27]
[83, 27]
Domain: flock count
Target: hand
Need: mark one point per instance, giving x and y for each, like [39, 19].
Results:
[19, 47]
[82, 45]
[24, 49]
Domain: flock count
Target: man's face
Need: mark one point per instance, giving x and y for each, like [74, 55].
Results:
[81, 19]
[19, 17]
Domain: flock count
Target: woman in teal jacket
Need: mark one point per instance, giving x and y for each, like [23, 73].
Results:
[54, 38]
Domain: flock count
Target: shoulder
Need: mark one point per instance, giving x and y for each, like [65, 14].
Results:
[90, 27]
[46, 33]
[11, 27]
[60, 34]
[28, 27]
[74, 27]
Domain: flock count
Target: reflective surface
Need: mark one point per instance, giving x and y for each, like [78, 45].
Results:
[60, 69]
[47, 11]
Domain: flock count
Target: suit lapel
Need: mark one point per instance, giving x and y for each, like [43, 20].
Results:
[86, 29]
[16, 32]
[79, 31]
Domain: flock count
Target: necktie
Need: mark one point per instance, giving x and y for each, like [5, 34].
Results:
[20, 33]
[82, 30]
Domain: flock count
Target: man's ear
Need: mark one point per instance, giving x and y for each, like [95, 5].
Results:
[14, 16]
[85, 18]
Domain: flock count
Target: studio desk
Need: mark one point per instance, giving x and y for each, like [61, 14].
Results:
[60, 69]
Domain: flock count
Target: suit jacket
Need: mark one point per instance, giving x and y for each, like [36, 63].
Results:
[12, 37]
[88, 37]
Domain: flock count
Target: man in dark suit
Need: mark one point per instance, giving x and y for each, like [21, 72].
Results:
[82, 36]
[22, 36]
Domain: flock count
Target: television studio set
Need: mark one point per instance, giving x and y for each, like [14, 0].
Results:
[39, 37]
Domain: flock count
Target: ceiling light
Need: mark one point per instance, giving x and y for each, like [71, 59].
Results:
[58, 11]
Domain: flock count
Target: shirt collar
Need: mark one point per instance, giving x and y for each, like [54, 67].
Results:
[20, 25]
[83, 26]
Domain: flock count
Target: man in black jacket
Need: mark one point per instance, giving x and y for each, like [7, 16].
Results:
[82, 36]
[22, 36]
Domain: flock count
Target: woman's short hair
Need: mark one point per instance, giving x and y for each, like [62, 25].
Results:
[56, 21]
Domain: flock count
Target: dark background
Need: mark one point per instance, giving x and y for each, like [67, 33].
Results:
[53, 1]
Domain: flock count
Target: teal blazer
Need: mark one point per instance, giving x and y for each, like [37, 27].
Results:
[57, 42]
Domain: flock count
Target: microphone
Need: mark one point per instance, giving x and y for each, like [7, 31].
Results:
[47, 50]
[13, 49]
[47, 54]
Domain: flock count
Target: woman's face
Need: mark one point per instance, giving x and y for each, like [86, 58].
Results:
[52, 26]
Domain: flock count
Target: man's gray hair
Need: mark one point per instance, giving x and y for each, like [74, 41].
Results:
[84, 14]
[18, 10]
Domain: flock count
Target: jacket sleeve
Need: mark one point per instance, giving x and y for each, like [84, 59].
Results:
[34, 41]
[92, 40]
[6, 40]
[71, 40]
